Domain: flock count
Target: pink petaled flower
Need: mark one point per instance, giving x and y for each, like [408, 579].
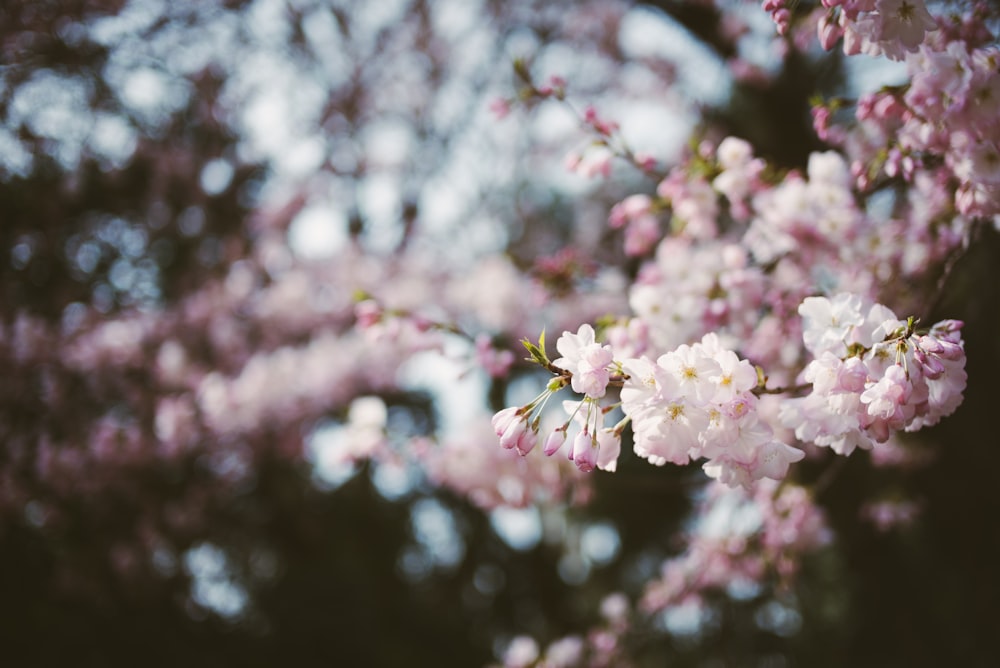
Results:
[734, 153]
[735, 377]
[609, 443]
[826, 322]
[693, 370]
[829, 420]
[860, 35]
[926, 352]
[946, 333]
[629, 338]
[829, 168]
[740, 174]
[977, 161]
[886, 403]
[753, 454]
[628, 209]
[644, 387]
[824, 373]
[695, 204]
[670, 432]
[743, 405]
[586, 359]
[852, 375]
[643, 228]
[903, 22]
[773, 460]
[641, 235]
[943, 353]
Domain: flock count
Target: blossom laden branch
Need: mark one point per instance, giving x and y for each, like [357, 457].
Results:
[872, 375]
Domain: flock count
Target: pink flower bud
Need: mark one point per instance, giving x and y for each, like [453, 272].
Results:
[584, 453]
[368, 313]
[930, 365]
[527, 441]
[782, 19]
[554, 441]
[503, 419]
[852, 375]
[947, 331]
[829, 31]
[514, 432]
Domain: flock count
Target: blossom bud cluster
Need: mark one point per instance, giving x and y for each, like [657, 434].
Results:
[515, 429]
[872, 374]
[589, 366]
[956, 86]
[872, 27]
[780, 14]
[942, 121]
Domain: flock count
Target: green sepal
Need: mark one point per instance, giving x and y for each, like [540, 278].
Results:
[761, 376]
[537, 355]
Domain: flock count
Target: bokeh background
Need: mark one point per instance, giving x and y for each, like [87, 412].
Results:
[153, 151]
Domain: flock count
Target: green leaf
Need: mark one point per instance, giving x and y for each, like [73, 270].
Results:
[536, 354]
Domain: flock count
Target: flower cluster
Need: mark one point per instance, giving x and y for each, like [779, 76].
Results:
[636, 214]
[694, 402]
[588, 367]
[873, 27]
[697, 402]
[950, 109]
[691, 288]
[872, 374]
